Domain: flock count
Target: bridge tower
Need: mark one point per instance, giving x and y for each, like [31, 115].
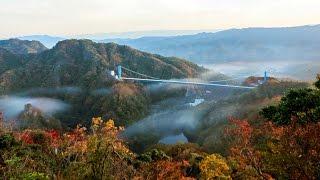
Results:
[119, 71]
[265, 79]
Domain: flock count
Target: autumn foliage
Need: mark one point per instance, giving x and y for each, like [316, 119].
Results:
[213, 167]
[254, 148]
[270, 151]
[95, 153]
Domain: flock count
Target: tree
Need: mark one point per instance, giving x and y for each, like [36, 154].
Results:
[302, 104]
[268, 150]
[245, 160]
[317, 83]
[291, 151]
[214, 166]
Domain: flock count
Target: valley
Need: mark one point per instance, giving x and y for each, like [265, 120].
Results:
[159, 90]
[67, 94]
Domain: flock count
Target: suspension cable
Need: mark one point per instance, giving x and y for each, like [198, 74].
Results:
[188, 83]
[139, 73]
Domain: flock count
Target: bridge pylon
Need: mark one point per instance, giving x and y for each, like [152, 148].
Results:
[119, 71]
[265, 78]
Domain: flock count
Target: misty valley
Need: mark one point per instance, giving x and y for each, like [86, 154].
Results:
[203, 106]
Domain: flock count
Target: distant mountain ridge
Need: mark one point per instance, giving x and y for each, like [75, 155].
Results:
[18, 46]
[139, 34]
[290, 43]
[248, 44]
[48, 41]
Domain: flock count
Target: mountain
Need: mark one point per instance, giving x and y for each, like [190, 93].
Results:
[139, 34]
[290, 43]
[85, 63]
[18, 46]
[48, 41]
[77, 72]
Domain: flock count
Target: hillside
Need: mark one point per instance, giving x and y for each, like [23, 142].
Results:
[290, 43]
[86, 64]
[8, 60]
[17, 46]
[76, 72]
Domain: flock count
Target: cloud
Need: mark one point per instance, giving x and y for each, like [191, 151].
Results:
[12, 106]
[57, 17]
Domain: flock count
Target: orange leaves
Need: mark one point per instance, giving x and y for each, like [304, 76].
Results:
[242, 150]
[26, 137]
[74, 141]
[240, 129]
[165, 169]
[97, 121]
[289, 152]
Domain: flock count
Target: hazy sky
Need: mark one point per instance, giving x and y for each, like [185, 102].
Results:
[70, 17]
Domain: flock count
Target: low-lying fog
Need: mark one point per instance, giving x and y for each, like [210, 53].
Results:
[12, 106]
[171, 122]
[177, 116]
[299, 70]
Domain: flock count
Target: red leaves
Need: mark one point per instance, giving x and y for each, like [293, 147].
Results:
[26, 137]
[240, 130]
[54, 137]
[50, 137]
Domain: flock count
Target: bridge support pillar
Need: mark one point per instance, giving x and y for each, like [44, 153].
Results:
[119, 71]
[265, 79]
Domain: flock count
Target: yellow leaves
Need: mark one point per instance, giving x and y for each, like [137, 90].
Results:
[214, 166]
[108, 133]
[97, 121]
[109, 124]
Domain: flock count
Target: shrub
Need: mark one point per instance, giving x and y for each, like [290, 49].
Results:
[7, 141]
[214, 166]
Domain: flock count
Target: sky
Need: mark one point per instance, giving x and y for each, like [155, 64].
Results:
[72, 17]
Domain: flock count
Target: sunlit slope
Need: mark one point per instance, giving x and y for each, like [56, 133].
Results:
[18, 46]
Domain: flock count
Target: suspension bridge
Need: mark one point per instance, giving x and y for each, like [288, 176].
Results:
[147, 78]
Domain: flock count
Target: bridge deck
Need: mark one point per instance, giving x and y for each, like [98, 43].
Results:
[188, 83]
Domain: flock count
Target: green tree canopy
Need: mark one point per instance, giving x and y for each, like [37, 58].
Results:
[302, 104]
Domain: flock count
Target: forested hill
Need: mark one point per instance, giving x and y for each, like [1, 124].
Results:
[84, 63]
[18, 46]
[289, 43]
[77, 72]
[8, 60]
